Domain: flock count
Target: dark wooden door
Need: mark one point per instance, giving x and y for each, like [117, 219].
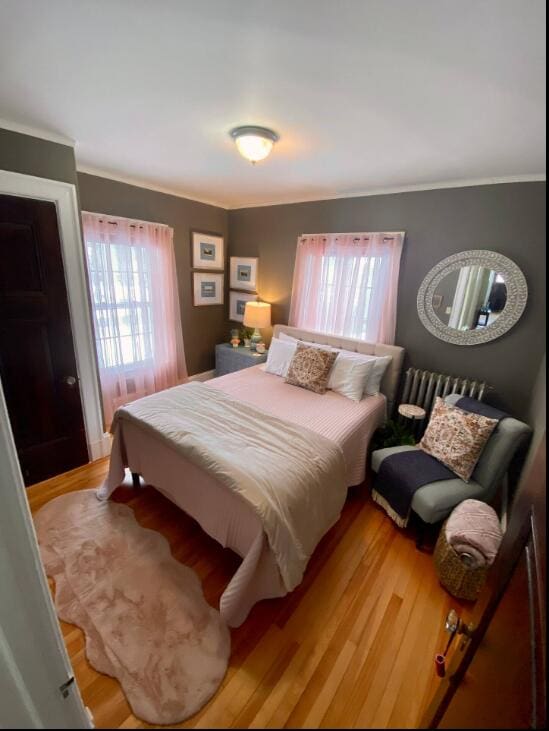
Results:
[37, 360]
[497, 677]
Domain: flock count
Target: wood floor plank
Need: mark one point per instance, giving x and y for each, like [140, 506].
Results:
[336, 668]
[376, 714]
[268, 682]
[378, 650]
[353, 645]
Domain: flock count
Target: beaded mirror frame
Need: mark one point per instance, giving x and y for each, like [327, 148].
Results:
[517, 296]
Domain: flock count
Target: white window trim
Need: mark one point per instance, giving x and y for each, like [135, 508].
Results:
[64, 197]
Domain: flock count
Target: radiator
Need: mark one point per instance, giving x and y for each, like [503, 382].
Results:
[422, 387]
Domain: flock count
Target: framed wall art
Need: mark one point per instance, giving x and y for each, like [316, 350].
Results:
[237, 304]
[207, 251]
[243, 271]
[207, 288]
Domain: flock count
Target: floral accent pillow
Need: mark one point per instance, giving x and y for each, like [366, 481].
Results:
[456, 437]
[310, 368]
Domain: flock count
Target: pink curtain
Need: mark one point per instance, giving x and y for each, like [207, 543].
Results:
[347, 284]
[135, 305]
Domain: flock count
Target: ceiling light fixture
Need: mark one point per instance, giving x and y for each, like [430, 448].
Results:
[254, 143]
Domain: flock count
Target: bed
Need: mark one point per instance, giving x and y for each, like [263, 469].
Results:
[223, 513]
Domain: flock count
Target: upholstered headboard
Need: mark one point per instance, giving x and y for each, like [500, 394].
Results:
[391, 379]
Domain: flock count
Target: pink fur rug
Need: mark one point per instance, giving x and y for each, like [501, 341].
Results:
[143, 613]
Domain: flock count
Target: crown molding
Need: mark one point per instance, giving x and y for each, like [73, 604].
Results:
[469, 183]
[138, 183]
[27, 129]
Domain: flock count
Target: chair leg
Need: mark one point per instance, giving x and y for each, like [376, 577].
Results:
[135, 480]
[426, 534]
[420, 533]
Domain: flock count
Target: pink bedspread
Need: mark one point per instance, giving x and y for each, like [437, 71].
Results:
[223, 514]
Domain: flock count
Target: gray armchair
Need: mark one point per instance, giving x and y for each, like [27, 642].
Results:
[434, 502]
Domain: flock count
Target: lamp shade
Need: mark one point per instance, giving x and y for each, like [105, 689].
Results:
[257, 314]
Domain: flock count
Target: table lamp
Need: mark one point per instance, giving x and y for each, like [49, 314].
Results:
[257, 315]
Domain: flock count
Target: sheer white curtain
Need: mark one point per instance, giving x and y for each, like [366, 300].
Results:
[135, 303]
[347, 284]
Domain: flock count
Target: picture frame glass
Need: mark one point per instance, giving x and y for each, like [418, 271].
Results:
[208, 289]
[243, 272]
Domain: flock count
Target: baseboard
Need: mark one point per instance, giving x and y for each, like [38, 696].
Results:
[100, 448]
[205, 376]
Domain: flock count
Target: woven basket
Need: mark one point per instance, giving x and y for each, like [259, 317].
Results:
[460, 580]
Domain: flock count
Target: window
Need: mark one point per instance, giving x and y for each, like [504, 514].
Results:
[135, 306]
[355, 289]
[346, 284]
[124, 323]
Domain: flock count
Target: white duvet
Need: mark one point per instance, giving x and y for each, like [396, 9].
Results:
[293, 478]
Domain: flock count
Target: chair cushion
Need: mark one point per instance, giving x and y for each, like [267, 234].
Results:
[434, 501]
[379, 455]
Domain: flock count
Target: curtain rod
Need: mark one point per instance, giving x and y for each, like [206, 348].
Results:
[355, 238]
[115, 223]
[387, 235]
[137, 223]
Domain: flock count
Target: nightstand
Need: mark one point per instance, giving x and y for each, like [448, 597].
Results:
[229, 359]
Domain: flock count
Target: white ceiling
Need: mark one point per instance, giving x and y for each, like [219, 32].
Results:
[365, 94]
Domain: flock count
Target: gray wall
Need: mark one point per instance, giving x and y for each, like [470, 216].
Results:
[203, 327]
[508, 218]
[32, 156]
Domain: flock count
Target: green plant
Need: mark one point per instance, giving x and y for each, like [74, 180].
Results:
[393, 434]
[246, 333]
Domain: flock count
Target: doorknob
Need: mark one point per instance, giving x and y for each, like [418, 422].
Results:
[69, 380]
[454, 625]
[452, 622]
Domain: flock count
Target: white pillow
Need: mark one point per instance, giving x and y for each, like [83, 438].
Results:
[280, 354]
[374, 374]
[373, 384]
[349, 374]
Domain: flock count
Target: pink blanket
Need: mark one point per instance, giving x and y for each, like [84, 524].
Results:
[473, 529]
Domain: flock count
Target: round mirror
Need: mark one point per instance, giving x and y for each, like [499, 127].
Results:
[472, 297]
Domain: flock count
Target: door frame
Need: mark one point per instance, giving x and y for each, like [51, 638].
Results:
[33, 659]
[63, 195]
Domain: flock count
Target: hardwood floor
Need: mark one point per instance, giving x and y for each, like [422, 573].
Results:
[353, 646]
